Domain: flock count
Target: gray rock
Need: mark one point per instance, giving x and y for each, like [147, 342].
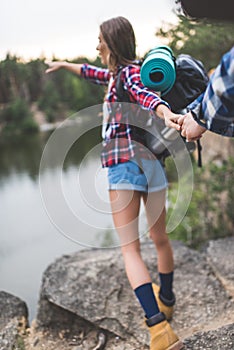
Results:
[13, 318]
[86, 302]
[201, 299]
[8, 335]
[11, 307]
[219, 339]
[90, 287]
[221, 256]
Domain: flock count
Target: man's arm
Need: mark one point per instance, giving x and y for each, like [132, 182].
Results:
[214, 110]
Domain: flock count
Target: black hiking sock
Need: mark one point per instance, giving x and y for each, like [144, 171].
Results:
[166, 282]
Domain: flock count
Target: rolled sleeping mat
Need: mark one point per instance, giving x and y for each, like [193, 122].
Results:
[158, 69]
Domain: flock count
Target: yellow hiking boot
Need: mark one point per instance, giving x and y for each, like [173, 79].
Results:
[165, 306]
[162, 337]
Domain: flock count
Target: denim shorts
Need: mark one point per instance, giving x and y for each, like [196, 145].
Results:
[128, 176]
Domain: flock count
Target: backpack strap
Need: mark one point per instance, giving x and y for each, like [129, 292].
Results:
[123, 96]
[199, 149]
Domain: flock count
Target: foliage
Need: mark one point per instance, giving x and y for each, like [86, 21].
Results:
[204, 40]
[210, 214]
[19, 344]
[56, 94]
[35, 78]
[49, 101]
[17, 116]
[20, 80]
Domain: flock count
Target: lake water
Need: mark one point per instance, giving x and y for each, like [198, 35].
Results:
[48, 210]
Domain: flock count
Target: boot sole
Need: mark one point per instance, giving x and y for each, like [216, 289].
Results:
[177, 346]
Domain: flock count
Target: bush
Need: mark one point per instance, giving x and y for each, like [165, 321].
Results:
[210, 214]
[17, 117]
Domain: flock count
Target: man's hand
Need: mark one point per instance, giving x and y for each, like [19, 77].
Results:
[190, 129]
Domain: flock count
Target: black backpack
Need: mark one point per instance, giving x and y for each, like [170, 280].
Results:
[162, 141]
[191, 81]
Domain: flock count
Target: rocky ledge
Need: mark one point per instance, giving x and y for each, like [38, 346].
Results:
[86, 302]
[13, 321]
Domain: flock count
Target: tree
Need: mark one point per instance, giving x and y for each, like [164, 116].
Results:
[204, 40]
[17, 117]
[35, 78]
[49, 101]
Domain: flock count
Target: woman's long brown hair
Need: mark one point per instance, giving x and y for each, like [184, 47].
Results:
[120, 38]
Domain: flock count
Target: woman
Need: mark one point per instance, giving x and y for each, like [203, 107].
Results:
[133, 174]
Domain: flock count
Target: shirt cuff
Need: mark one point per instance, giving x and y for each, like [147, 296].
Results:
[83, 69]
[196, 113]
[162, 102]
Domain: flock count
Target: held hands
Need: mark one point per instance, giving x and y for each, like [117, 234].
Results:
[190, 129]
[186, 124]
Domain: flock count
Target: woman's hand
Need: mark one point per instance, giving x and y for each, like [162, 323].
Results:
[170, 118]
[55, 65]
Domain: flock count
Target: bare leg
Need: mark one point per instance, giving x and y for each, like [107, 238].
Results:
[156, 216]
[125, 210]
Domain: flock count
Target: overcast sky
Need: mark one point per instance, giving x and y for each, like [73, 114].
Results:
[68, 29]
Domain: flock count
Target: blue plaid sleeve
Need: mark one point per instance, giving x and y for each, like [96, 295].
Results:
[216, 106]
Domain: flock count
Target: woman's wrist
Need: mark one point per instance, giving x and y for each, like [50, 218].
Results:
[162, 110]
[65, 64]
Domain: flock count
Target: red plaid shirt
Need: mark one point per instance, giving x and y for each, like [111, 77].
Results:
[118, 145]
